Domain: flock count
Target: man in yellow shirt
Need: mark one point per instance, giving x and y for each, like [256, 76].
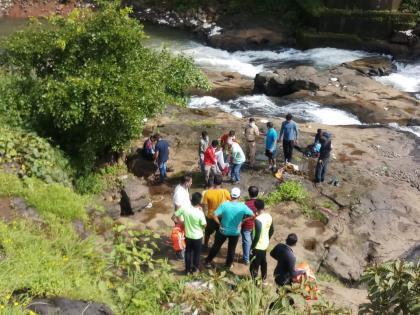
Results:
[212, 198]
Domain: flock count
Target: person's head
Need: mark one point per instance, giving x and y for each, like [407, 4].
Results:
[232, 133]
[291, 239]
[218, 180]
[235, 193]
[196, 199]
[259, 205]
[215, 143]
[289, 117]
[187, 180]
[153, 138]
[253, 191]
[319, 131]
[204, 134]
[270, 125]
[252, 121]
[157, 136]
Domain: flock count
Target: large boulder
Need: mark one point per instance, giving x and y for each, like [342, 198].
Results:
[248, 38]
[63, 306]
[226, 85]
[134, 196]
[286, 81]
[373, 66]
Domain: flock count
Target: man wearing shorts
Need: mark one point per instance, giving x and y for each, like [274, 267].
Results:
[271, 145]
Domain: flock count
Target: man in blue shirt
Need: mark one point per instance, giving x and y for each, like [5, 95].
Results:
[161, 156]
[271, 145]
[289, 131]
[229, 216]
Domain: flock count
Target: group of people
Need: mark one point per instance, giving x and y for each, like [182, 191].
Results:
[214, 157]
[220, 212]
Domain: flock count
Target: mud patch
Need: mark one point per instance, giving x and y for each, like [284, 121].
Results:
[357, 152]
[350, 145]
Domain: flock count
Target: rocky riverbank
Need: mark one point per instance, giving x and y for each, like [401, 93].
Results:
[373, 213]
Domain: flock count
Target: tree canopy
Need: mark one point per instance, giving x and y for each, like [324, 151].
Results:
[88, 82]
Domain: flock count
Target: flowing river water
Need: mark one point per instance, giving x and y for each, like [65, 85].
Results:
[249, 63]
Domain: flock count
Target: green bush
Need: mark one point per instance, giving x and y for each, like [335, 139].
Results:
[87, 82]
[33, 156]
[287, 191]
[47, 260]
[393, 287]
[51, 201]
[411, 6]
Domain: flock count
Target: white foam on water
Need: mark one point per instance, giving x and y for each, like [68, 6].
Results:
[406, 78]
[413, 129]
[263, 105]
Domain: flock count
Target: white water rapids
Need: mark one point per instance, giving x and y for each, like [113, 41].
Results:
[249, 63]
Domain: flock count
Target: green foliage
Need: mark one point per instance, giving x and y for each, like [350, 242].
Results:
[32, 156]
[394, 288]
[47, 260]
[106, 178]
[137, 280]
[50, 201]
[87, 81]
[287, 191]
[411, 6]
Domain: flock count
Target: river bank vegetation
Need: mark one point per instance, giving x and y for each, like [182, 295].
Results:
[72, 94]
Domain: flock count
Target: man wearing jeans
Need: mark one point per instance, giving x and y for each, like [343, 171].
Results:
[229, 216]
[161, 156]
[238, 158]
[324, 157]
[248, 224]
[289, 131]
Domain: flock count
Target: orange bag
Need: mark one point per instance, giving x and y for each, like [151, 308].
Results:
[311, 288]
[178, 238]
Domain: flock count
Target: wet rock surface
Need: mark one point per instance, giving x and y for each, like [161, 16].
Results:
[343, 87]
[373, 214]
[134, 196]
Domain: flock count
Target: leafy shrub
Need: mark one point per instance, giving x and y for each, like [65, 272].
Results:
[394, 288]
[47, 260]
[90, 183]
[287, 191]
[411, 5]
[33, 156]
[87, 82]
[50, 201]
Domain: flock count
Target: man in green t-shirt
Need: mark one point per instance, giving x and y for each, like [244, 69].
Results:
[194, 222]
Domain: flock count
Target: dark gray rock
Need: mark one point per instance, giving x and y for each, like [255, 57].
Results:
[134, 196]
[287, 81]
[63, 306]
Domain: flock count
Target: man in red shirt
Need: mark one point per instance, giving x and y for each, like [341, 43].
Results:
[248, 224]
[225, 141]
[210, 163]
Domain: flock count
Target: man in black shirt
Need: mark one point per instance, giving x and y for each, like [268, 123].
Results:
[324, 157]
[286, 260]
[161, 156]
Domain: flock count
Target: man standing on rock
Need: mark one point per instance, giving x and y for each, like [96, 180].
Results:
[251, 134]
[212, 199]
[324, 157]
[202, 147]
[237, 159]
[289, 132]
[194, 222]
[210, 163]
[271, 145]
[161, 156]
[229, 215]
[248, 224]
[181, 194]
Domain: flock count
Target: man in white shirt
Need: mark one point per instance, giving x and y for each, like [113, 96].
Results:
[181, 194]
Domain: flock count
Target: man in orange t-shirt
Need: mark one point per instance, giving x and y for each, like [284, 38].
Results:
[212, 198]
